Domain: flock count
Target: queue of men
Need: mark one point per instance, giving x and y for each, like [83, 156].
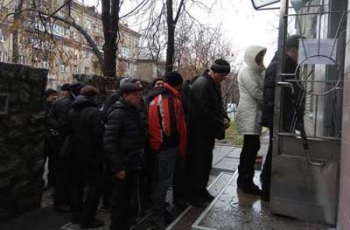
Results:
[134, 149]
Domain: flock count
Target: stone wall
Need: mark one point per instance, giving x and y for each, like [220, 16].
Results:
[21, 139]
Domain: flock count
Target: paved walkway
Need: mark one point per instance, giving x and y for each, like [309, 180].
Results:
[231, 210]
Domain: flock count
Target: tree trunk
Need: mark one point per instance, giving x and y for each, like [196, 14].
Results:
[17, 20]
[110, 20]
[170, 49]
[171, 40]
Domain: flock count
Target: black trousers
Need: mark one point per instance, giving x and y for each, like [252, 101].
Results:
[108, 178]
[63, 181]
[122, 193]
[251, 146]
[198, 163]
[86, 174]
[266, 172]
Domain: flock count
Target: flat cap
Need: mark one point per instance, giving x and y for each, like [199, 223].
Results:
[129, 87]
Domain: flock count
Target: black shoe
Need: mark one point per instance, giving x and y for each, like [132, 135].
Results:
[168, 217]
[265, 195]
[197, 203]
[75, 220]
[95, 224]
[159, 225]
[250, 188]
[207, 196]
[180, 203]
[62, 208]
[265, 198]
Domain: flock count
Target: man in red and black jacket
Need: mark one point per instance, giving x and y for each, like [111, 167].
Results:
[168, 136]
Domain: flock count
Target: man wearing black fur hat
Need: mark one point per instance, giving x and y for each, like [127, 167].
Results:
[207, 121]
[57, 122]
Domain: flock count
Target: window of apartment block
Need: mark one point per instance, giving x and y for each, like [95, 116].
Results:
[88, 25]
[62, 68]
[45, 65]
[58, 30]
[22, 59]
[75, 69]
[3, 56]
[86, 70]
[86, 54]
[2, 37]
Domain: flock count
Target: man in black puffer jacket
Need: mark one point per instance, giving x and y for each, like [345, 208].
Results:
[86, 133]
[123, 143]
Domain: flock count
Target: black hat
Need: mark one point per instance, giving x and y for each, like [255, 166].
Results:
[65, 87]
[129, 88]
[134, 80]
[293, 41]
[220, 66]
[50, 91]
[75, 88]
[173, 78]
[157, 79]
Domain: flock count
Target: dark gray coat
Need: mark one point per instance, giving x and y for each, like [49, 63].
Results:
[124, 134]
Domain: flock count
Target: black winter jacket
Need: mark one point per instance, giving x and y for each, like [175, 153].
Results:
[86, 129]
[206, 112]
[124, 134]
[269, 94]
[57, 118]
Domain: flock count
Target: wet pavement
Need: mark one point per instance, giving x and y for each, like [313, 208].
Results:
[233, 210]
[230, 210]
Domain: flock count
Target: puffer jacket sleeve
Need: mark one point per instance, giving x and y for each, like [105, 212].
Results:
[111, 140]
[252, 87]
[97, 127]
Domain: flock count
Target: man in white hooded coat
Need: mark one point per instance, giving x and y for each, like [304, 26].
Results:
[250, 83]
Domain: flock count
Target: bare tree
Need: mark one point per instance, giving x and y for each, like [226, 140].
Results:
[46, 15]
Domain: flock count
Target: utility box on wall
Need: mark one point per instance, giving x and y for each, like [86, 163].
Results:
[21, 138]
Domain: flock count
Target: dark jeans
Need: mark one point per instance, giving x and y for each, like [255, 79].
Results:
[149, 177]
[163, 171]
[266, 172]
[50, 153]
[179, 179]
[85, 174]
[121, 205]
[251, 146]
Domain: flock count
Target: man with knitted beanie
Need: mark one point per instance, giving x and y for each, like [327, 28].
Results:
[207, 120]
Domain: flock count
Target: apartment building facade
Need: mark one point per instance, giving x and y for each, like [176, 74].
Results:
[58, 46]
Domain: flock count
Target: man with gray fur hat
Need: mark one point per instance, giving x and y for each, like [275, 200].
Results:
[207, 121]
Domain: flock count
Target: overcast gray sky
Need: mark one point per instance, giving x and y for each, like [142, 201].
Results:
[241, 24]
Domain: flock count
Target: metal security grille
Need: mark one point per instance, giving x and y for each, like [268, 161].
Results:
[320, 71]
